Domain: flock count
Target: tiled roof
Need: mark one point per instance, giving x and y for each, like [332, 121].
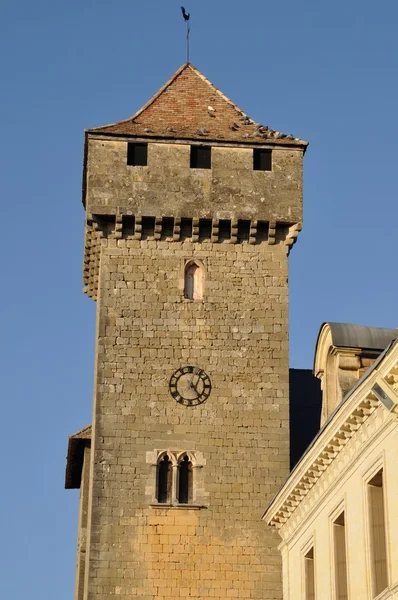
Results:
[75, 456]
[83, 434]
[188, 106]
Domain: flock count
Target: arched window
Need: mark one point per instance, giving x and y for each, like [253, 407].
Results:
[164, 480]
[184, 492]
[193, 285]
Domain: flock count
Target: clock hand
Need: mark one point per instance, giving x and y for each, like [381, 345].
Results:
[198, 378]
[194, 386]
[191, 383]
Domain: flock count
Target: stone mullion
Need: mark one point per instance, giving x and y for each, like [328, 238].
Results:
[174, 483]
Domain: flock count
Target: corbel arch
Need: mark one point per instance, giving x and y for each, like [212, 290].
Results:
[191, 457]
[171, 455]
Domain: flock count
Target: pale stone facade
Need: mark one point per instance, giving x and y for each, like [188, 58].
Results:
[146, 224]
[336, 513]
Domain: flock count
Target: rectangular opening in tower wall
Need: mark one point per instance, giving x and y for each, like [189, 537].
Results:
[148, 227]
[186, 229]
[137, 154]
[200, 157]
[243, 230]
[167, 228]
[262, 160]
[204, 229]
[128, 226]
[262, 231]
[224, 230]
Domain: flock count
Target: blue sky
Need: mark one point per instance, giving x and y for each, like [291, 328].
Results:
[327, 72]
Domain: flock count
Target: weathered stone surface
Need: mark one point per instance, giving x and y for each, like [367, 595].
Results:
[146, 329]
[238, 335]
[169, 187]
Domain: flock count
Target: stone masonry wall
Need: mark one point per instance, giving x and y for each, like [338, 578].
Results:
[169, 187]
[239, 335]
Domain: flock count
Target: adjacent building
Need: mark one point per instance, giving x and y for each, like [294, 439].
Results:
[336, 513]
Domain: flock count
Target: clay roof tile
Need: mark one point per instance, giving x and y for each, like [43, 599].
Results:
[190, 107]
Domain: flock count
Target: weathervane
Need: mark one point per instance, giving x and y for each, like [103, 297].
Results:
[186, 19]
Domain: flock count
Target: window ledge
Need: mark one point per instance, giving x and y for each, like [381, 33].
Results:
[177, 506]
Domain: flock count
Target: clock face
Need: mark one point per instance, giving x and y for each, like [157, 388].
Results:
[190, 386]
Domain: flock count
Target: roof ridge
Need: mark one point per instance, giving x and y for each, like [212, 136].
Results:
[357, 325]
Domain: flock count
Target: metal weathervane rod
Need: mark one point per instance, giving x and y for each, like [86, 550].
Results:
[186, 19]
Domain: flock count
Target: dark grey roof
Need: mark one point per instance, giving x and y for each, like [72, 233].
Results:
[305, 400]
[347, 335]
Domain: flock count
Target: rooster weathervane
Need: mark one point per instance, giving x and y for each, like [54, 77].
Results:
[186, 19]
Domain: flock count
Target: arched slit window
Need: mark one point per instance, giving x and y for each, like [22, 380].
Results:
[164, 480]
[185, 481]
[193, 286]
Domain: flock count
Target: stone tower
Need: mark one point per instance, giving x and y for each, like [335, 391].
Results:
[191, 209]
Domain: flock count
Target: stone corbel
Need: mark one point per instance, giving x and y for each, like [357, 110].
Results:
[292, 235]
[272, 232]
[97, 226]
[253, 232]
[118, 227]
[234, 232]
[157, 234]
[138, 228]
[215, 230]
[195, 230]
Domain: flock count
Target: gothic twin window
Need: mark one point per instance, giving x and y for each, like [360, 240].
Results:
[174, 479]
